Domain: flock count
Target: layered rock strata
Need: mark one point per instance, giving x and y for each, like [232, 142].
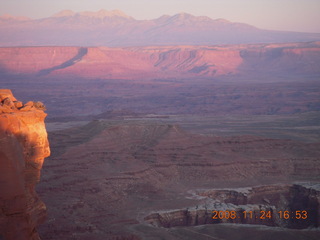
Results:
[158, 62]
[23, 147]
[288, 206]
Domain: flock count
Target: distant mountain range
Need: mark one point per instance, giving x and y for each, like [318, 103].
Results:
[116, 29]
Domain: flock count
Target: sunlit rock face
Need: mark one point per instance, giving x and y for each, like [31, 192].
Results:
[158, 62]
[23, 147]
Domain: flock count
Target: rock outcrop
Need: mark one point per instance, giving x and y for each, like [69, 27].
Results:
[288, 206]
[23, 147]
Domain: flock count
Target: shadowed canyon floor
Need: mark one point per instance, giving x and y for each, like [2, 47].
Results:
[109, 177]
[78, 99]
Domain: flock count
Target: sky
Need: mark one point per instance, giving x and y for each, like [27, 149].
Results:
[290, 15]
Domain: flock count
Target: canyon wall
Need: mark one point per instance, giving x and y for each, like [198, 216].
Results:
[287, 206]
[161, 62]
[23, 147]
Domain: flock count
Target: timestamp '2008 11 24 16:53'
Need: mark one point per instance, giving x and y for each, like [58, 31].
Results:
[259, 214]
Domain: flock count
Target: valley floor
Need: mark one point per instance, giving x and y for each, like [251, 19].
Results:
[106, 177]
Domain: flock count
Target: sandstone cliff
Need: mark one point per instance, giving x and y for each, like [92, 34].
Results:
[23, 147]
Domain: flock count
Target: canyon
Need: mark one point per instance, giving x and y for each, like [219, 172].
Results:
[24, 145]
[205, 80]
[148, 141]
[150, 178]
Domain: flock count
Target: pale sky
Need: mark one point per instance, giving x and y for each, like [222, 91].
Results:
[291, 15]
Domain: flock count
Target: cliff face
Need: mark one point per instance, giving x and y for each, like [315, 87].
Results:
[23, 147]
[249, 206]
[161, 62]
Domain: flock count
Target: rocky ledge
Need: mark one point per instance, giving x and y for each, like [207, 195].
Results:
[289, 206]
[23, 147]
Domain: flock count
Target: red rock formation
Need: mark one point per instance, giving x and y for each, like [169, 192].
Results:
[161, 62]
[23, 147]
[34, 59]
